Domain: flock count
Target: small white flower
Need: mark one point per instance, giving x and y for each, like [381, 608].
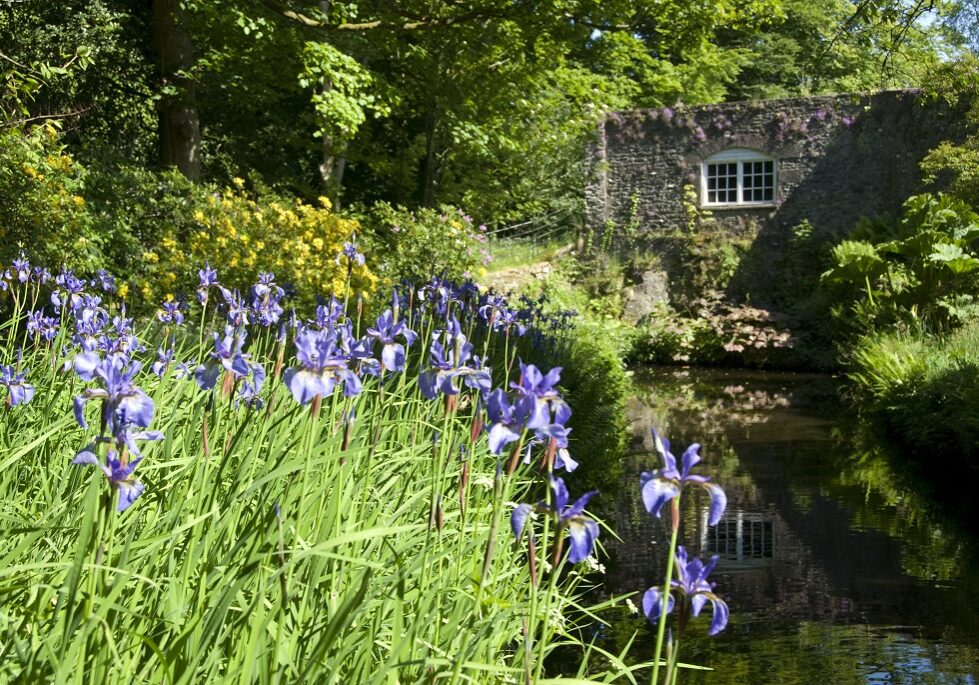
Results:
[633, 609]
[485, 482]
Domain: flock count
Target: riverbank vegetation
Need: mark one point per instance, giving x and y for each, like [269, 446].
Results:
[904, 299]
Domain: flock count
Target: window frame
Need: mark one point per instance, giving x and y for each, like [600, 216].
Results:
[738, 156]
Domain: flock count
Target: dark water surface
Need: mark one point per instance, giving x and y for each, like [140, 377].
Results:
[838, 564]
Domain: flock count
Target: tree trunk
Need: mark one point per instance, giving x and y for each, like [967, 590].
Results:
[332, 163]
[180, 129]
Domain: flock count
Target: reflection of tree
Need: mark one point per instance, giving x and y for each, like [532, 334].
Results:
[902, 505]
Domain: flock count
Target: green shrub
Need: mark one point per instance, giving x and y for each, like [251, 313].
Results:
[918, 271]
[595, 384]
[414, 245]
[42, 206]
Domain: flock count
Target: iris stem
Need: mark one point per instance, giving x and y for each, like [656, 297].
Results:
[665, 597]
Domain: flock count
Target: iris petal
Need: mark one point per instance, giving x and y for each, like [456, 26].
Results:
[656, 492]
[499, 437]
[718, 502]
[518, 518]
[721, 613]
[583, 533]
[652, 604]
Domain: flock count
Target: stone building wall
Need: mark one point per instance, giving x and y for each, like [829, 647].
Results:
[838, 158]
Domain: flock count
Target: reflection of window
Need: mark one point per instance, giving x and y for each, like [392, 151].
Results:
[742, 536]
[738, 177]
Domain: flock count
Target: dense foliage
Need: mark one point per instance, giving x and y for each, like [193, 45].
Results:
[485, 106]
[915, 272]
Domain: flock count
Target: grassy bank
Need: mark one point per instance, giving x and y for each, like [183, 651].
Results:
[924, 390]
[278, 530]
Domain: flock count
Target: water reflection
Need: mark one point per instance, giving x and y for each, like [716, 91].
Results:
[837, 566]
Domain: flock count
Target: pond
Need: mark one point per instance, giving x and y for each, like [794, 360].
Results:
[838, 565]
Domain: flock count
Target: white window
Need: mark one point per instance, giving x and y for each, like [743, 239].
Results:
[738, 177]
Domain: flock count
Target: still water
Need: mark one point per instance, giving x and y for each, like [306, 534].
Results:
[839, 564]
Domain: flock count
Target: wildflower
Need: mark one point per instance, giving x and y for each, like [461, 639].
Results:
[323, 365]
[18, 392]
[170, 314]
[694, 590]
[106, 281]
[265, 300]
[163, 359]
[120, 475]
[22, 267]
[251, 387]
[508, 420]
[40, 326]
[663, 484]
[350, 252]
[540, 392]
[385, 330]
[582, 530]
[126, 404]
[448, 362]
[207, 277]
[228, 356]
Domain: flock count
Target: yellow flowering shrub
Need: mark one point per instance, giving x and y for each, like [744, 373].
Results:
[43, 213]
[241, 237]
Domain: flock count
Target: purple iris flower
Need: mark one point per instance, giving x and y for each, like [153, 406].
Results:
[227, 355]
[323, 364]
[120, 475]
[444, 370]
[492, 304]
[663, 484]
[508, 420]
[41, 275]
[266, 298]
[170, 314]
[541, 392]
[695, 590]
[238, 309]
[40, 326]
[106, 281]
[251, 387]
[73, 287]
[393, 353]
[559, 434]
[582, 530]
[208, 277]
[22, 267]
[327, 315]
[5, 280]
[350, 252]
[163, 359]
[18, 392]
[126, 403]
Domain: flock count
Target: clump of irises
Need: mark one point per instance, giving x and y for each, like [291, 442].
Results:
[434, 344]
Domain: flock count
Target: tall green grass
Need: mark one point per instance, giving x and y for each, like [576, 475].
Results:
[271, 546]
[925, 390]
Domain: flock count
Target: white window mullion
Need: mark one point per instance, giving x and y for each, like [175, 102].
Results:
[740, 192]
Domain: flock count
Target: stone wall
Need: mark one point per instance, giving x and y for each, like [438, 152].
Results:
[838, 158]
